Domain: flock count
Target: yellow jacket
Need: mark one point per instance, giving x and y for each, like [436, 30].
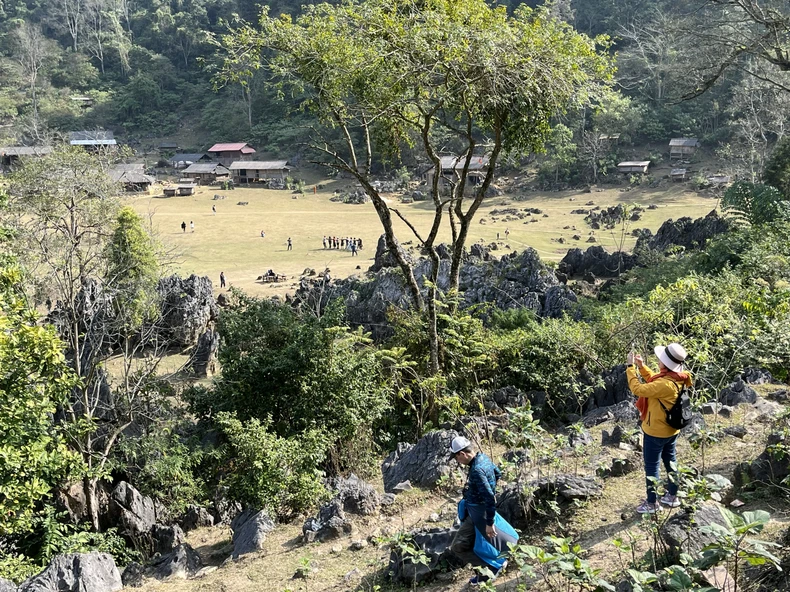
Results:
[663, 391]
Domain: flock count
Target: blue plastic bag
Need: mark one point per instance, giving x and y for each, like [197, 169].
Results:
[493, 551]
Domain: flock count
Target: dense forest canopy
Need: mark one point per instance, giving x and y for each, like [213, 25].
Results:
[713, 69]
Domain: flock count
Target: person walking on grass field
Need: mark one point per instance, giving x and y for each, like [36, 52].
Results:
[221, 279]
[192, 226]
[657, 396]
[290, 244]
[183, 226]
[484, 535]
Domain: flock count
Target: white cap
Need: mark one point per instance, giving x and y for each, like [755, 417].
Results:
[672, 356]
[458, 444]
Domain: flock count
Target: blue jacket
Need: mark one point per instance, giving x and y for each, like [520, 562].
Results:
[480, 489]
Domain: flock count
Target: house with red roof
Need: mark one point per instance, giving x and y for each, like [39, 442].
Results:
[225, 154]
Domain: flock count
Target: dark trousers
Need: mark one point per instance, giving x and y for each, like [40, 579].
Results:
[656, 450]
[464, 542]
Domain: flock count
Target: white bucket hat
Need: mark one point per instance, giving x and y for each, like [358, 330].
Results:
[672, 356]
[458, 444]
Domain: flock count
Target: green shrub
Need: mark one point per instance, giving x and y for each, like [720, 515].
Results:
[268, 472]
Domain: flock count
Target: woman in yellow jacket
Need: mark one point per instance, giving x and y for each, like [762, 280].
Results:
[657, 394]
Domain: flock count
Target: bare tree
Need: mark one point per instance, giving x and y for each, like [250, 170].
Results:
[32, 50]
[70, 14]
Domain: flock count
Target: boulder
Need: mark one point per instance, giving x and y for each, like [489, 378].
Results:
[767, 467]
[77, 572]
[435, 543]
[187, 307]
[384, 257]
[357, 496]
[204, 358]
[225, 510]
[196, 517]
[249, 531]
[597, 261]
[578, 437]
[625, 463]
[71, 499]
[131, 511]
[166, 538]
[624, 412]
[757, 376]
[331, 523]
[7, 586]
[737, 392]
[685, 232]
[612, 388]
[132, 576]
[423, 463]
[684, 532]
[182, 563]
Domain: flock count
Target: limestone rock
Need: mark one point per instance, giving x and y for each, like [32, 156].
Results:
[166, 538]
[423, 464]
[196, 517]
[357, 496]
[737, 392]
[596, 260]
[623, 412]
[249, 531]
[182, 563]
[7, 586]
[132, 576]
[77, 572]
[187, 307]
[436, 545]
[133, 512]
[204, 358]
[685, 232]
[683, 533]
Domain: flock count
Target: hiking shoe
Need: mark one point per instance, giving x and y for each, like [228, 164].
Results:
[670, 501]
[477, 580]
[647, 508]
[501, 570]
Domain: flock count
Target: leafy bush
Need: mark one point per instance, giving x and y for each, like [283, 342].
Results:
[295, 371]
[755, 204]
[268, 472]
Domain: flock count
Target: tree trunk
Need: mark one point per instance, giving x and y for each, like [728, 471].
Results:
[91, 501]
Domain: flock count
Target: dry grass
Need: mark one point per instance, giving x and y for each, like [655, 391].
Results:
[230, 240]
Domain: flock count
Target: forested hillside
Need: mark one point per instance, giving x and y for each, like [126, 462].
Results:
[147, 69]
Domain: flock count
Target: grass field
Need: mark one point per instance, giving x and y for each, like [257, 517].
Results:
[230, 241]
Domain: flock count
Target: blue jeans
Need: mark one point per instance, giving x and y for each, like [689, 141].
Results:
[656, 450]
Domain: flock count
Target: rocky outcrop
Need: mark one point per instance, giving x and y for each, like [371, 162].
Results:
[423, 463]
[132, 576]
[517, 280]
[357, 496]
[769, 467]
[596, 260]
[613, 390]
[331, 523]
[685, 533]
[7, 586]
[166, 538]
[622, 412]
[77, 572]
[249, 531]
[384, 258]
[181, 563]
[684, 232]
[204, 358]
[187, 307]
[517, 502]
[737, 392]
[196, 517]
[132, 512]
[435, 543]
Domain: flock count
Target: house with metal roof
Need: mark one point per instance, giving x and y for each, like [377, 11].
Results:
[132, 176]
[452, 169]
[10, 155]
[93, 140]
[682, 148]
[256, 171]
[184, 159]
[634, 166]
[205, 173]
[228, 153]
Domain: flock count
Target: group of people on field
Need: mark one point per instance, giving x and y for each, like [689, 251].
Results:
[484, 537]
[346, 243]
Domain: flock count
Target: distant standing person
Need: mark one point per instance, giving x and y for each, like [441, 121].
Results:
[359, 244]
[192, 226]
[353, 249]
[290, 245]
[325, 242]
[214, 209]
[507, 233]
[183, 226]
[221, 279]
[263, 234]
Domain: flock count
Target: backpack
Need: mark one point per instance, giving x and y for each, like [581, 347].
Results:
[679, 415]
